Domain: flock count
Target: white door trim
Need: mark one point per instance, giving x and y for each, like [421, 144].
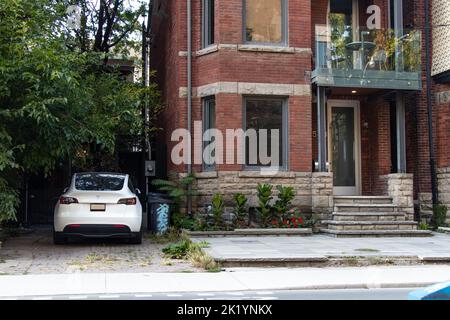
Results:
[356, 105]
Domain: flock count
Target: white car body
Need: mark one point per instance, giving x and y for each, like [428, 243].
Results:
[98, 213]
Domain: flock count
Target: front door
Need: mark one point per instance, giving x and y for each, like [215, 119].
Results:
[344, 146]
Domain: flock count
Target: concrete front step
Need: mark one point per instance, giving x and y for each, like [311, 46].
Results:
[359, 207]
[369, 216]
[362, 200]
[371, 225]
[376, 233]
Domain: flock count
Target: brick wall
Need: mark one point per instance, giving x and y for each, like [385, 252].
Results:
[230, 64]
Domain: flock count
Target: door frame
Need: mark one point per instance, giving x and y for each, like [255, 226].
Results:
[355, 104]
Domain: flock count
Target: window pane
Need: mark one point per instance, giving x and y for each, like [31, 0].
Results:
[209, 122]
[99, 182]
[208, 23]
[264, 21]
[264, 114]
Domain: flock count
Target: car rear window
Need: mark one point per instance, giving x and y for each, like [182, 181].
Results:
[99, 182]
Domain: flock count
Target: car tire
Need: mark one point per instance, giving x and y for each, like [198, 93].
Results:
[59, 239]
[137, 238]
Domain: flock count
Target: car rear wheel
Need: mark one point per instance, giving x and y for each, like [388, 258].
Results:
[137, 238]
[59, 239]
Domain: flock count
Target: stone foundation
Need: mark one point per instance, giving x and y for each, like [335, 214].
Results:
[314, 191]
[425, 206]
[399, 186]
[443, 177]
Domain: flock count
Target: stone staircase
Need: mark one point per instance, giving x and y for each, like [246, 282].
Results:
[370, 216]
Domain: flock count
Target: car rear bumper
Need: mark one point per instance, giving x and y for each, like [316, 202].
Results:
[130, 217]
[97, 231]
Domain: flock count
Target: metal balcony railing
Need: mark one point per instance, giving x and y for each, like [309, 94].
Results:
[379, 58]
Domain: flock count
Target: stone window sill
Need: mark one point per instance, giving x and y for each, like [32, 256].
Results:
[206, 175]
[273, 49]
[207, 50]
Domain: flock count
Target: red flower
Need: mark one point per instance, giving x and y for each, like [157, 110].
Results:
[300, 220]
[274, 222]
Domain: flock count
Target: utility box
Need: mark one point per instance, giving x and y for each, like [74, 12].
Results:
[150, 168]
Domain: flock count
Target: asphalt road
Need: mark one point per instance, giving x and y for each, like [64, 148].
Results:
[347, 294]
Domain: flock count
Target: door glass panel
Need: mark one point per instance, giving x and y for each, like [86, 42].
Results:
[343, 146]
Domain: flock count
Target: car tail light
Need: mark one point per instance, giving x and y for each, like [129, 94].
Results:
[67, 200]
[128, 201]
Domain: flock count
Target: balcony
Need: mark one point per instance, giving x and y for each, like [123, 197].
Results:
[377, 59]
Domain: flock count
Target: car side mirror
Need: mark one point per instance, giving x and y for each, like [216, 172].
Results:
[138, 191]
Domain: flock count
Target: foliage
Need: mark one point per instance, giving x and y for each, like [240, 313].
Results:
[290, 219]
[173, 235]
[178, 189]
[107, 26]
[56, 102]
[240, 209]
[439, 215]
[424, 226]
[198, 257]
[217, 210]
[186, 249]
[285, 197]
[177, 250]
[182, 221]
[264, 194]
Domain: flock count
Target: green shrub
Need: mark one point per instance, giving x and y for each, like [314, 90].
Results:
[217, 210]
[240, 209]
[264, 194]
[284, 202]
[423, 226]
[439, 215]
[177, 250]
[177, 189]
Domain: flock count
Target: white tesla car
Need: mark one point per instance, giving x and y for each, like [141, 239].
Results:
[99, 205]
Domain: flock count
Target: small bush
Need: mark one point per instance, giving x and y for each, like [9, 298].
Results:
[193, 252]
[240, 209]
[264, 194]
[177, 250]
[424, 226]
[217, 210]
[284, 202]
[173, 235]
[439, 215]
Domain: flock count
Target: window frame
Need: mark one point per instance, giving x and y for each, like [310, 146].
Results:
[208, 26]
[206, 125]
[285, 131]
[284, 26]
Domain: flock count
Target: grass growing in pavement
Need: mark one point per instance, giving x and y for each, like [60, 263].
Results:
[193, 252]
[170, 237]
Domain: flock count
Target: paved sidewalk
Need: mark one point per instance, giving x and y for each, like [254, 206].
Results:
[322, 247]
[233, 280]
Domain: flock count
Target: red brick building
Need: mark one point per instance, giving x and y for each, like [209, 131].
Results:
[344, 82]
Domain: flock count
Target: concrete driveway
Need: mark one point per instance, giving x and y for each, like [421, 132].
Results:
[35, 253]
